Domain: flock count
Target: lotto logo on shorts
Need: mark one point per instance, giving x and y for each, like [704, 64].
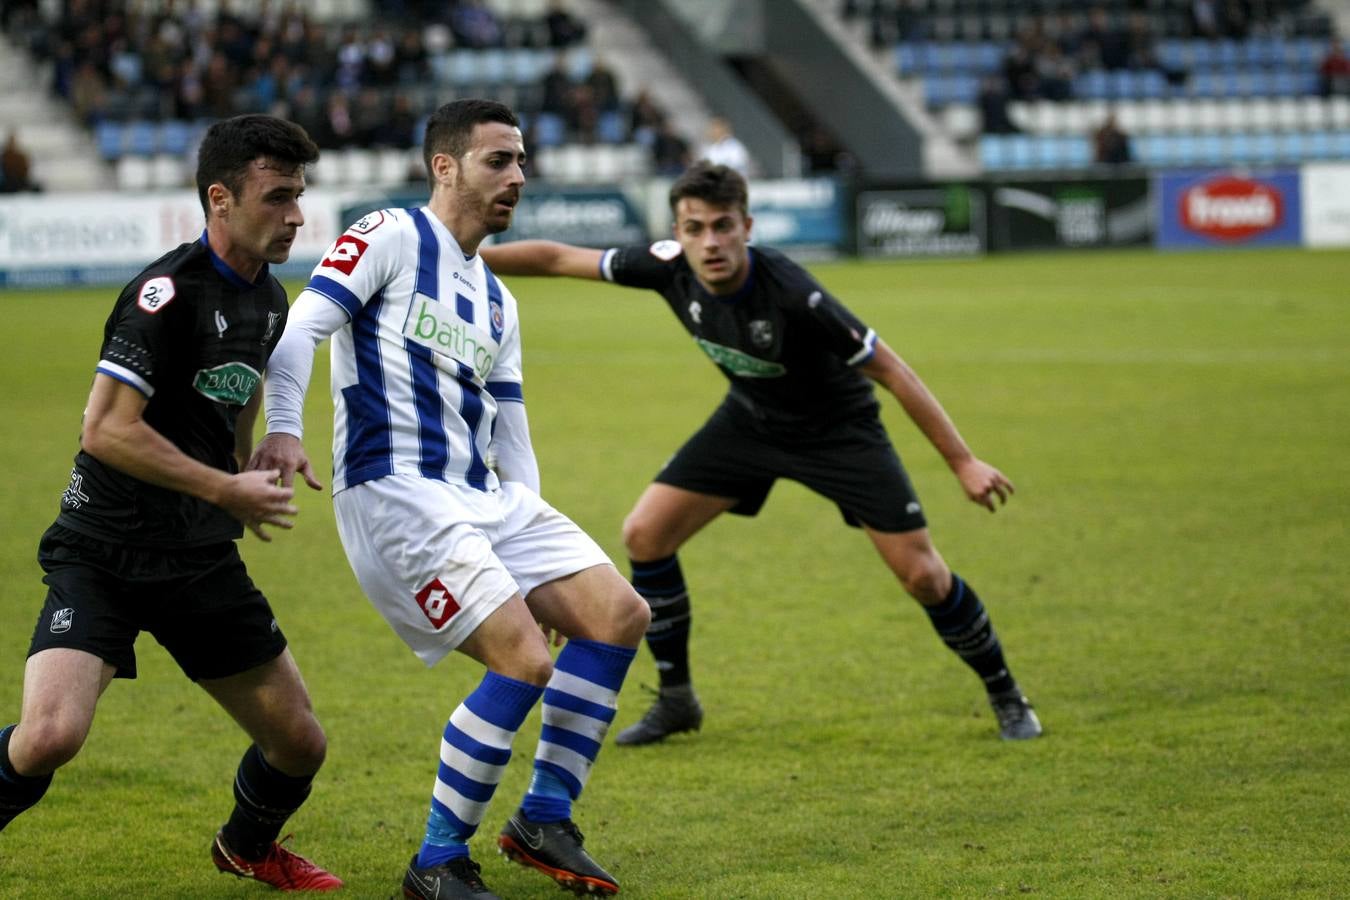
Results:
[437, 603]
[62, 620]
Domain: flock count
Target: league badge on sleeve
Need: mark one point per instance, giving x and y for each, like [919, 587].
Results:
[155, 294]
[665, 250]
[368, 223]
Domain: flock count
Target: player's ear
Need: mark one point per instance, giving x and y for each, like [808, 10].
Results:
[219, 199]
[749, 222]
[444, 168]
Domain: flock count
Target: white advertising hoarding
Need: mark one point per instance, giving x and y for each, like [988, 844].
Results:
[108, 237]
[1326, 205]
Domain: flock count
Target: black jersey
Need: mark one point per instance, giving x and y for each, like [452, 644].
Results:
[194, 338]
[789, 349]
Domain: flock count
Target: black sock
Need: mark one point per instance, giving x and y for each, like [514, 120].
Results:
[661, 584]
[964, 626]
[264, 799]
[17, 792]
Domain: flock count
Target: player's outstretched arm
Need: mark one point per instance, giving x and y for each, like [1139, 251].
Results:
[543, 258]
[981, 481]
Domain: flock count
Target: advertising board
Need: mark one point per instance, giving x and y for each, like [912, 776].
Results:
[1226, 209]
[1042, 215]
[938, 221]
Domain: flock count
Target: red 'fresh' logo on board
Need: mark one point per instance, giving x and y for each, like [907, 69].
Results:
[346, 253]
[437, 603]
[1231, 209]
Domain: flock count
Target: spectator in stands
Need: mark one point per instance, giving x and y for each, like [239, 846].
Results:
[15, 168]
[557, 88]
[411, 57]
[1054, 73]
[474, 25]
[645, 116]
[604, 86]
[723, 148]
[993, 102]
[670, 152]
[1110, 144]
[1334, 71]
[564, 29]
[1103, 44]
[1205, 18]
[88, 93]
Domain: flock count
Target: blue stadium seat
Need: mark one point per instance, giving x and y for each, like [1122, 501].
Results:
[992, 155]
[612, 127]
[1265, 148]
[142, 138]
[1320, 145]
[906, 58]
[1021, 152]
[1212, 149]
[989, 56]
[1293, 146]
[492, 67]
[550, 130]
[174, 137]
[1172, 53]
[1077, 152]
[110, 140]
[1226, 55]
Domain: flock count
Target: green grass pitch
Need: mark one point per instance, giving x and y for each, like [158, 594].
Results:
[1170, 584]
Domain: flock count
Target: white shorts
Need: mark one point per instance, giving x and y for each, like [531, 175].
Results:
[436, 559]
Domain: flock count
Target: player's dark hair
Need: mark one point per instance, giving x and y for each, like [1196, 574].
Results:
[230, 145]
[713, 184]
[449, 128]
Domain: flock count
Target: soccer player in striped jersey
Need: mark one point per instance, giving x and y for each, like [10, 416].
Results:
[801, 406]
[436, 492]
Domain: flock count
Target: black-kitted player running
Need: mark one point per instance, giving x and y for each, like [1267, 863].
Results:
[145, 539]
[801, 406]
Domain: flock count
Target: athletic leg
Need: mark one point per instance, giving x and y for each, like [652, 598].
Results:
[274, 776]
[604, 620]
[961, 621]
[61, 687]
[663, 519]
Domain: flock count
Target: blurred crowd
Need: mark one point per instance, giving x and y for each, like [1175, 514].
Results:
[350, 85]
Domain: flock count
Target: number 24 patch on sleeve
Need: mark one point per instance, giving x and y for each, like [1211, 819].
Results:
[156, 294]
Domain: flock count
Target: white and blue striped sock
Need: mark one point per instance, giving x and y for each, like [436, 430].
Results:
[475, 749]
[579, 704]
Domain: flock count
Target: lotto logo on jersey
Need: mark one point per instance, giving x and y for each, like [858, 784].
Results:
[437, 603]
[155, 294]
[346, 253]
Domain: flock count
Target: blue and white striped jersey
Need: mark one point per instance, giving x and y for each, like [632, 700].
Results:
[430, 349]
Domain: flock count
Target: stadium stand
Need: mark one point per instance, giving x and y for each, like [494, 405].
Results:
[145, 80]
[1027, 83]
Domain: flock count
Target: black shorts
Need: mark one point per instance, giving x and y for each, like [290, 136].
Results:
[852, 463]
[199, 603]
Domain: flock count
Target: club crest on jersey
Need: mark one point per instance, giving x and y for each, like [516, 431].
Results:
[761, 332]
[368, 223]
[495, 313]
[271, 329]
[437, 603]
[155, 294]
[346, 253]
[62, 619]
[696, 312]
[665, 250]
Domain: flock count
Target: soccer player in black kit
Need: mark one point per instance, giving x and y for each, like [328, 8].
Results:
[801, 406]
[145, 539]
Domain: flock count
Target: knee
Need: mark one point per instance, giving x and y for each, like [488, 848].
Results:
[632, 617]
[536, 670]
[643, 540]
[300, 749]
[41, 746]
[927, 579]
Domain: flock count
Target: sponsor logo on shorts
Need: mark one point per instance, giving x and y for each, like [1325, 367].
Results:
[346, 253]
[437, 603]
[74, 495]
[62, 619]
